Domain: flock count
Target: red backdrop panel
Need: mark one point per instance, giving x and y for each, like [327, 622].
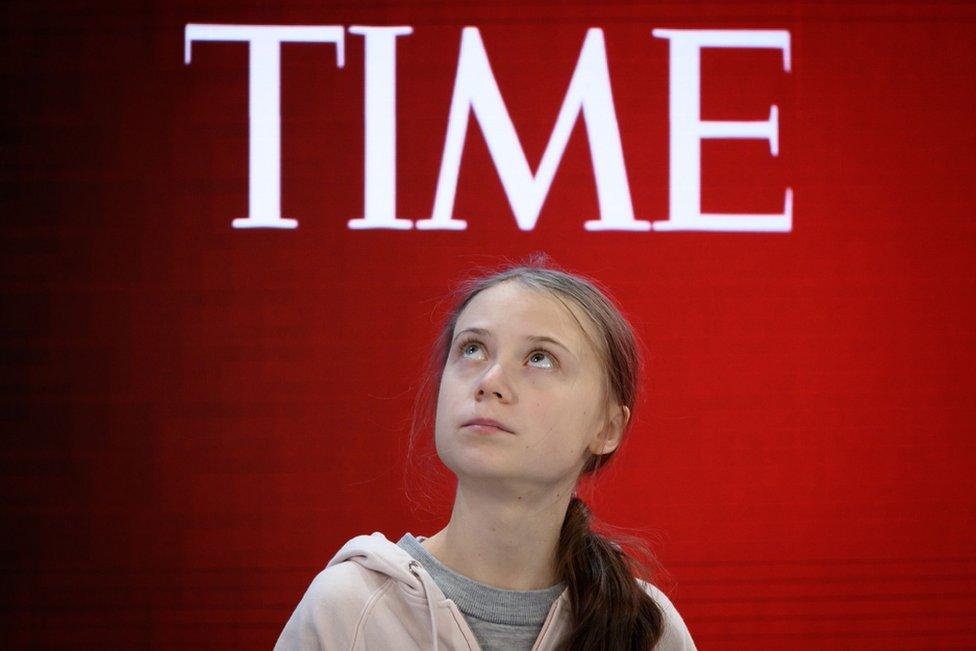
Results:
[197, 416]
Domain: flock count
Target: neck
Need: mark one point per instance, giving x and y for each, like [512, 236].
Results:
[506, 540]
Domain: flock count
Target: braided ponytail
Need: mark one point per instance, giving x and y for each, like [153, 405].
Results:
[611, 610]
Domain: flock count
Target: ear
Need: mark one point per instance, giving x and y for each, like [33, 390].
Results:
[608, 440]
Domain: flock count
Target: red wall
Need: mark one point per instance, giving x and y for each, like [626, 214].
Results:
[197, 416]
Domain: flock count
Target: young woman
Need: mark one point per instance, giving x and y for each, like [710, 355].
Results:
[537, 374]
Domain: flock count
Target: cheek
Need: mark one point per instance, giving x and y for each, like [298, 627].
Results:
[565, 428]
[448, 399]
[558, 427]
[448, 381]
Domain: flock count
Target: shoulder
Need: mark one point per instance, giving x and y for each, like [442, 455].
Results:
[331, 611]
[676, 636]
[345, 585]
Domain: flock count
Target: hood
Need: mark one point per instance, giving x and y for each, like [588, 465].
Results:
[375, 552]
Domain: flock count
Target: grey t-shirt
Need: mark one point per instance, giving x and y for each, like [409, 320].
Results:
[499, 619]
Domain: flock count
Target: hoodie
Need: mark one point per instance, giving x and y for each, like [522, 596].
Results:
[374, 595]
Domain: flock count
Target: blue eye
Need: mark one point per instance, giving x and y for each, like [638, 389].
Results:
[467, 345]
[544, 354]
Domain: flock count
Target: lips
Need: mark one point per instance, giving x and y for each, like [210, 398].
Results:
[488, 422]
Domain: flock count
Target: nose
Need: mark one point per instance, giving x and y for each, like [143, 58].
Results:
[493, 384]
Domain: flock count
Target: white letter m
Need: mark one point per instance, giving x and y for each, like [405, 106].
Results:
[589, 91]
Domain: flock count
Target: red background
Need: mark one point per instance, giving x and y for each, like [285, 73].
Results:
[196, 417]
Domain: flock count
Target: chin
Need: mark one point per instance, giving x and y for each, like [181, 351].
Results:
[476, 461]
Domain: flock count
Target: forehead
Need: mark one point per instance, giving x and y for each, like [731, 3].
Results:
[511, 308]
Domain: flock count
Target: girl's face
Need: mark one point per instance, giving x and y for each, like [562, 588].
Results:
[519, 358]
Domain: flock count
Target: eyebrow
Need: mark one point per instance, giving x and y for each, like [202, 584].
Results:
[486, 332]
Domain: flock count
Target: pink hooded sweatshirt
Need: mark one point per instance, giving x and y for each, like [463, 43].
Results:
[374, 595]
